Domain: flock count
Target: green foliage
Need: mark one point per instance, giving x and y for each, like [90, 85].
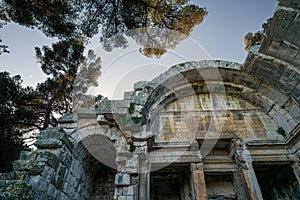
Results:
[132, 147]
[54, 18]
[114, 18]
[66, 66]
[3, 48]
[135, 119]
[15, 116]
[131, 108]
[60, 62]
[281, 131]
[87, 76]
[251, 39]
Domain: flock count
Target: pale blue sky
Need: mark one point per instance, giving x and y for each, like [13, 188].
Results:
[220, 36]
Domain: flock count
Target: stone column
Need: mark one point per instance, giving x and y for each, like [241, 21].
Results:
[144, 177]
[240, 185]
[252, 184]
[198, 187]
[244, 160]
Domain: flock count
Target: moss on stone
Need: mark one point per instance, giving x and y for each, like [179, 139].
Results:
[281, 131]
[131, 108]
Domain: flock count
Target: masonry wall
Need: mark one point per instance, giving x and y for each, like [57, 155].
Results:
[56, 170]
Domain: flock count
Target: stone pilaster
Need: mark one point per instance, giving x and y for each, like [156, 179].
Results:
[198, 187]
[244, 160]
[296, 169]
[144, 176]
[240, 186]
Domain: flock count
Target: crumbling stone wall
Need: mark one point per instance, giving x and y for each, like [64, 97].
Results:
[275, 65]
[56, 170]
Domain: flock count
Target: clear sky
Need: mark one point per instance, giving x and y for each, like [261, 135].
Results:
[220, 36]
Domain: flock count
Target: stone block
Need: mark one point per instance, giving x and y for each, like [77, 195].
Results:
[72, 180]
[14, 176]
[41, 184]
[63, 196]
[32, 167]
[140, 85]
[62, 171]
[67, 118]
[66, 187]
[58, 194]
[122, 179]
[50, 159]
[28, 155]
[77, 196]
[49, 174]
[75, 169]
[129, 198]
[48, 143]
[14, 190]
[58, 182]
[118, 192]
[122, 198]
[128, 190]
[35, 180]
[66, 159]
[51, 190]
[53, 134]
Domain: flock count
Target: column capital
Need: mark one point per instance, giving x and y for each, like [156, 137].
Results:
[242, 155]
[197, 166]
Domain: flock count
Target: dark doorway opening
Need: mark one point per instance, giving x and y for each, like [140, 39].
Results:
[220, 186]
[277, 181]
[170, 183]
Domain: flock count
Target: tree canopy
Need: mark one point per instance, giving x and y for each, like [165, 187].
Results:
[15, 118]
[3, 47]
[252, 39]
[74, 18]
[66, 67]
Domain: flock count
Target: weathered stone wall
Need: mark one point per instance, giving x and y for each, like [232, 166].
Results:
[275, 64]
[197, 115]
[56, 170]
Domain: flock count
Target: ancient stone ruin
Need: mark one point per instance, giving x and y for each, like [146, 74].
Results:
[201, 130]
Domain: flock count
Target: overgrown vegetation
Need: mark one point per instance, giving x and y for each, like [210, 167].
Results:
[131, 108]
[15, 117]
[132, 147]
[252, 39]
[136, 119]
[281, 131]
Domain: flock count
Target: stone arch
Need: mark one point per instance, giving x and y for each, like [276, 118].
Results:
[99, 173]
[59, 169]
[232, 81]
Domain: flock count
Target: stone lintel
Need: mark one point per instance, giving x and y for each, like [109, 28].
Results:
[220, 167]
[175, 157]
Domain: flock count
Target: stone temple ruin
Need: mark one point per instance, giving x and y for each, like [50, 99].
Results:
[201, 130]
